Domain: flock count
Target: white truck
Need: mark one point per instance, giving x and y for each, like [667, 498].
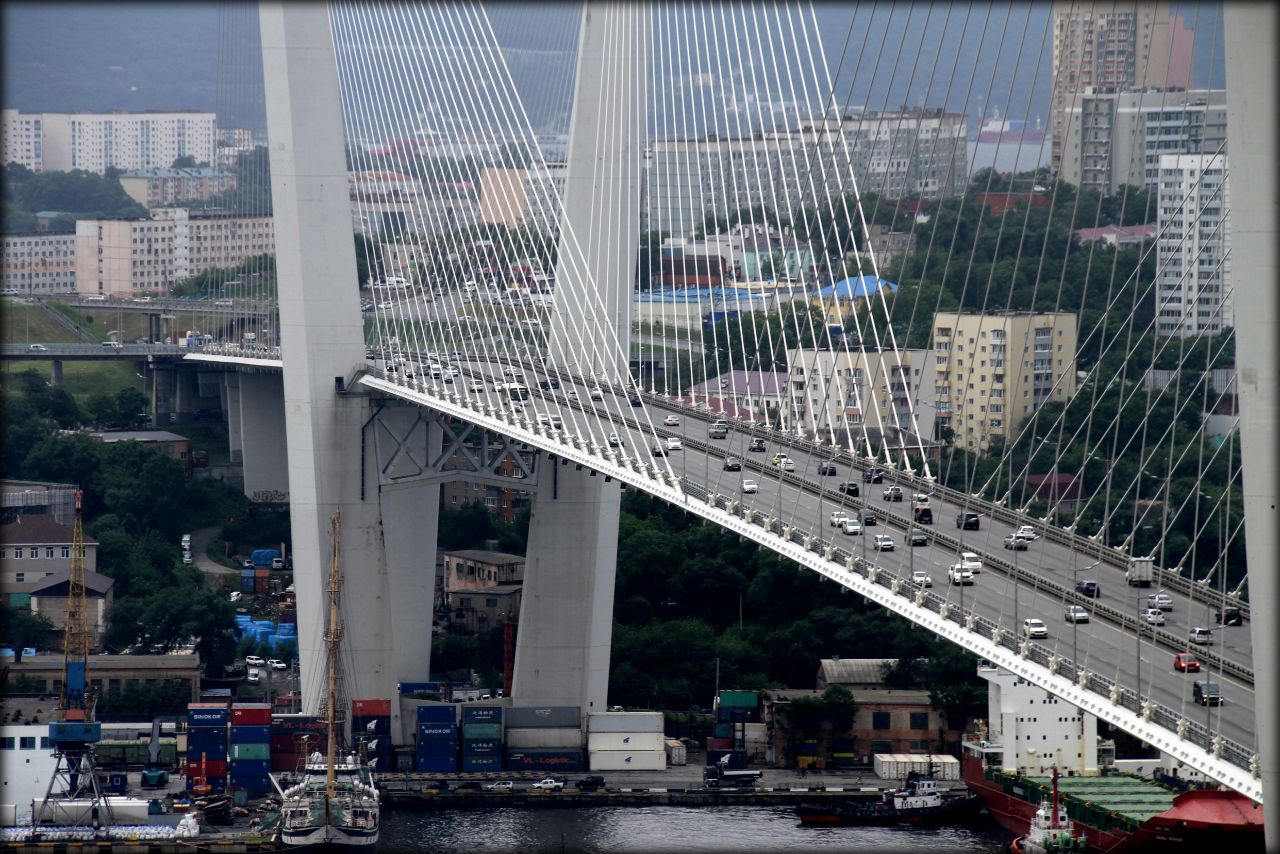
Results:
[1139, 572]
[548, 784]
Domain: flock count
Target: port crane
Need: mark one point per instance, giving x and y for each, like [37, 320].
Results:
[74, 797]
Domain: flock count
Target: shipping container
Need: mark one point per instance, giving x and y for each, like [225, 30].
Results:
[548, 738]
[748, 699]
[76, 731]
[380, 708]
[544, 716]
[627, 760]
[625, 722]
[217, 784]
[481, 747]
[676, 752]
[722, 730]
[437, 747]
[737, 714]
[557, 761]
[719, 744]
[481, 714]
[240, 752]
[256, 785]
[256, 714]
[248, 584]
[208, 714]
[213, 767]
[482, 763]
[210, 751]
[285, 761]
[428, 764]
[737, 758]
[251, 734]
[370, 726]
[427, 731]
[281, 723]
[419, 687]
[482, 731]
[896, 766]
[249, 767]
[262, 586]
[445, 713]
[262, 572]
[630, 741]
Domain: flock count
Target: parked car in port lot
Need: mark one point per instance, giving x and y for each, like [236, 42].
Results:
[255, 661]
[1186, 662]
[1034, 627]
[500, 786]
[591, 782]
[547, 784]
[277, 664]
[1075, 614]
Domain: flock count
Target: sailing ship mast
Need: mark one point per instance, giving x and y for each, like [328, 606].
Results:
[332, 637]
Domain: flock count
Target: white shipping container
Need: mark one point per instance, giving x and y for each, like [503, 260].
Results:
[625, 741]
[627, 760]
[676, 752]
[896, 766]
[538, 738]
[123, 810]
[625, 722]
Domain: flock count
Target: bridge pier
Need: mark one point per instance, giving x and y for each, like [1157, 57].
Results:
[566, 610]
[231, 406]
[55, 372]
[264, 451]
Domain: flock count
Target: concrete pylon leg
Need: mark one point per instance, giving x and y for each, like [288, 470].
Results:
[566, 608]
[262, 435]
[230, 405]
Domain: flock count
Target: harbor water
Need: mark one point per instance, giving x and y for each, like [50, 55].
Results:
[607, 830]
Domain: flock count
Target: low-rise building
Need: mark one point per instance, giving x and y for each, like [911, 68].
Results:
[838, 394]
[479, 569]
[478, 610]
[43, 674]
[33, 548]
[49, 597]
[164, 187]
[1118, 235]
[27, 497]
[744, 394]
[178, 447]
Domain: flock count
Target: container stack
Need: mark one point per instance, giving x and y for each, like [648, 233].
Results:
[544, 738]
[481, 738]
[807, 755]
[261, 580]
[292, 738]
[251, 747]
[207, 744]
[248, 582]
[371, 724]
[626, 741]
[734, 710]
[757, 743]
[437, 739]
[842, 755]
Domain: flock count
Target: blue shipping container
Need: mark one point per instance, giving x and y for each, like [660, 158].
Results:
[442, 714]
[482, 731]
[437, 763]
[723, 730]
[438, 747]
[414, 687]
[251, 734]
[482, 763]
[207, 735]
[481, 714]
[288, 629]
[366, 726]
[250, 767]
[545, 760]
[219, 784]
[253, 784]
[426, 731]
[481, 747]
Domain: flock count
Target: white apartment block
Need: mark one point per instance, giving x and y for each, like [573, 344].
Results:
[1194, 246]
[47, 142]
[994, 370]
[127, 257]
[1119, 138]
[876, 391]
[890, 153]
[40, 263]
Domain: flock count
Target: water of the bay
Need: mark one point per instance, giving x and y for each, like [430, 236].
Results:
[605, 830]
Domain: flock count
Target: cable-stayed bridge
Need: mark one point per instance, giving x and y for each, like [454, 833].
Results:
[560, 381]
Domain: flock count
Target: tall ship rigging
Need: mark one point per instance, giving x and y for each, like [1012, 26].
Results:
[336, 803]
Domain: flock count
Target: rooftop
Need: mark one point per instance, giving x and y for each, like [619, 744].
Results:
[94, 582]
[139, 436]
[39, 529]
[181, 172]
[485, 556]
[744, 382]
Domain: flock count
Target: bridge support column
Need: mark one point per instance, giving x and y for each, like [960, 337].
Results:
[231, 406]
[55, 373]
[1249, 32]
[262, 436]
[163, 392]
[566, 609]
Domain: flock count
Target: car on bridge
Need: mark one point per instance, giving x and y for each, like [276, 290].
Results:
[757, 446]
[837, 518]
[849, 487]
[915, 537]
[1186, 662]
[922, 515]
[882, 543]
[971, 562]
[784, 462]
[1075, 614]
[38, 348]
[1229, 616]
[967, 520]
[1207, 693]
[750, 486]
[229, 302]
[921, 577]
[614, 440]
[673, 443]
[671, 421]
[596, 394]
[1027, 532]
[892, 493]
[957, 574]
[827, 468]
[634, 400]
[1034, 627]
[1160, 600]
[732, 464]
[869, 517]
[873, 475]
[548, 383]
[852, 527]
[1016, 543]
[660, 450]
[1200, 635]
[1088, 587]
[1153, 616]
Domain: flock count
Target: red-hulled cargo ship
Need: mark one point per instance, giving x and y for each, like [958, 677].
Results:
[1118, 814]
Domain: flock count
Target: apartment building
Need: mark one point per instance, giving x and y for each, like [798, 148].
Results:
[47, 142]
[127, 257]
[160, 187]
[1194, 246]
[523, 198]
[1112, 47]
[1117, 138]
[40, 263]
[882, 393]
[35, 546]
[993, 370]
[893, 153]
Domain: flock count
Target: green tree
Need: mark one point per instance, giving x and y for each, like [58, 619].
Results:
[21, 627]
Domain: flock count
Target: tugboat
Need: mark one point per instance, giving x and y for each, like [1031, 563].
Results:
[920, 801]
[1050, 830]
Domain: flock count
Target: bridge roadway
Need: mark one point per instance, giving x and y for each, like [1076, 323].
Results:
[1106, 645]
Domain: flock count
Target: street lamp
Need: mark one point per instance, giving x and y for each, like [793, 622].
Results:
[1075, 662]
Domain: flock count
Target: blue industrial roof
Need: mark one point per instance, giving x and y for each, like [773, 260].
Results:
[857, 286]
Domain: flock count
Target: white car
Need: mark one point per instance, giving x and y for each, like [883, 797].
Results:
[38, 348]
[749, 486]
[1154, 616]
[971, 562]
[671, 421]
[255, 661]
[276, 664]
[1075, 614]
[1034, 627]
[673, 443]
[597, 394]
[501, 786]
[852, 527]
[571, 394]
[882, 543]
[186, 559]
[476, 385]
[255, 676]
[1160, 600]
[957, 574]
[614, 440]
[921, 577]
[1026, 532]
[838, 517]
[548, 784]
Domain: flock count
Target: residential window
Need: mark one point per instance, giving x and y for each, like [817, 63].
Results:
[491, 603]
[17, 552]
[66, 552]
[880, 720]
[48, 552]
[919, 720]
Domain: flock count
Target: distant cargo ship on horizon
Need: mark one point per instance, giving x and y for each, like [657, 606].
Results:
[1010, 130]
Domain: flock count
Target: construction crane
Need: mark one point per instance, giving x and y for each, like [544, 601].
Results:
[74, 797]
